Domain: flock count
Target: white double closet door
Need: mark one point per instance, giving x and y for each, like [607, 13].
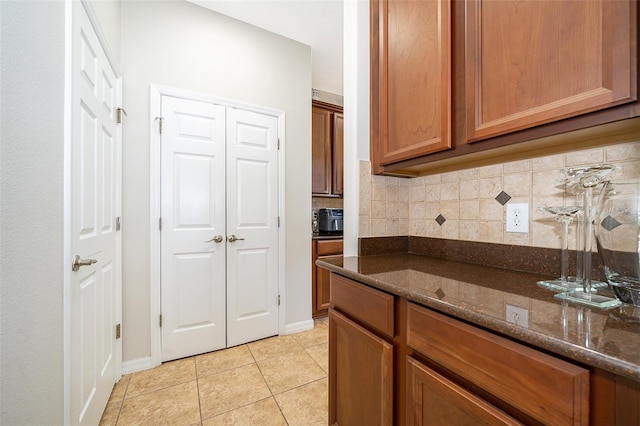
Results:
[219, 237]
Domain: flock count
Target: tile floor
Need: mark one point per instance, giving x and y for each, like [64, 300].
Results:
[281, 380]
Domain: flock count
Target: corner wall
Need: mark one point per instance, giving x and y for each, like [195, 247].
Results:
[181, 45]
[32, 88]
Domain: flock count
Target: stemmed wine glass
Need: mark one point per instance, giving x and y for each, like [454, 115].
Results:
[564, 215]
[588, 178]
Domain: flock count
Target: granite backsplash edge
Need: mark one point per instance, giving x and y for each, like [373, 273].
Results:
[537, 260]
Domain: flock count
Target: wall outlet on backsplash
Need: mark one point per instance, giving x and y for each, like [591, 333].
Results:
[516, 315]
[518, 217]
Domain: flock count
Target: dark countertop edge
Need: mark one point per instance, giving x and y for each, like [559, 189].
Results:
[326, 237]
[533, 338]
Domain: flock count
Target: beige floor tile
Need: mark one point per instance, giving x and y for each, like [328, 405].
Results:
[284, 371]
[226, 359]
[273, 345]
[262, 413]
[117, 394]
[231, 389]
[110, 414]
[320, 354]
[322, 320]
[168, 374]
[176, 405]
[316, 336]
[306, 405]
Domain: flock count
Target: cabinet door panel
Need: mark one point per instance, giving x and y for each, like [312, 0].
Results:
[360, 375]
[321, 151]
[411, 79]
[338, 154]
[533, 62]
[323, 280]
[434, 400]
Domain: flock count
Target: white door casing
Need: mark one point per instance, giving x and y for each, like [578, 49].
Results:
[202, 280]
[193, 214]
[252, 214]
[95, 294]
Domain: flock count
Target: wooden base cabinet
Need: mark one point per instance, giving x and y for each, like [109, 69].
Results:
[392, 361]
[361, 375]
[322, 249]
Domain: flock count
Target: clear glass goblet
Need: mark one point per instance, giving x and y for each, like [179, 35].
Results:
[588, 178]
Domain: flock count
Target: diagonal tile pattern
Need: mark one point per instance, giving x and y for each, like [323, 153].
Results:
[281, 380]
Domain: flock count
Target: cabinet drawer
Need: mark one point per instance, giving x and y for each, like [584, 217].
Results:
[327, 247]
[373, 307]
[432, 398]
[547, 389]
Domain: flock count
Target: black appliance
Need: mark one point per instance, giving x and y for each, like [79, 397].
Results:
[330, 221]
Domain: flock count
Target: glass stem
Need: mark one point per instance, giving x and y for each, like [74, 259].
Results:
[579, 243]
[588, 230]
[564, 250]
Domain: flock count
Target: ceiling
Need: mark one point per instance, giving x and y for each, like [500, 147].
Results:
[317, 23]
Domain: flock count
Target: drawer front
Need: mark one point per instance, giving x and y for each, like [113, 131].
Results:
[547, 389]
[328, 247]
[371, 306]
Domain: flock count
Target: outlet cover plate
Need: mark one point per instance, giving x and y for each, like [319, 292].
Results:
[518, 217]
[517, 315]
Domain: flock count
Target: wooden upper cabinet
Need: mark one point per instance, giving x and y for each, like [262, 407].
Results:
[532, 62]
[327, 149]
[321, 151]
[410, 79]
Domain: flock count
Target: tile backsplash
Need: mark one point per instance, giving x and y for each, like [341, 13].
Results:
[326, 202]
[468, 204]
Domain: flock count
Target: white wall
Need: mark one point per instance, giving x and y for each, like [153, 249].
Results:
[181, 45]
[32, 201]
[108, 13]
[356, 113]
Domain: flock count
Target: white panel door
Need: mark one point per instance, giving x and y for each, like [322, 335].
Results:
[95, 190]
[193, 227]
[252, 217]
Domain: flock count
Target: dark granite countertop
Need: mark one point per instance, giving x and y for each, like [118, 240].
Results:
[325, 237]
[609, 339]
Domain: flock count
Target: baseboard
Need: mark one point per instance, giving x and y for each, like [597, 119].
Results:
[139, 364]
[297, 327]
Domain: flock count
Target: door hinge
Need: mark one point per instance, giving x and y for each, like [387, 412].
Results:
[278, 300]
[278, 221]
[118, 226]
[160, 224]
[160, 123]
[119, 112]
[278, 143]
[160, 320]
[117, 331]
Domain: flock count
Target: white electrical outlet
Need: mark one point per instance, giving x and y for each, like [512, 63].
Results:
[518, 217]
[516, 315]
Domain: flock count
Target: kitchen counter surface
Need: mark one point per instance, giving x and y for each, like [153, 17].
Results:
[326, 237]
[480, 295]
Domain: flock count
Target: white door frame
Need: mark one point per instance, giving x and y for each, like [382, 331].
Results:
[67, 209]
[155, 94]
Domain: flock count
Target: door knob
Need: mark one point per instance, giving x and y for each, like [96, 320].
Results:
[217, 239]
[78, 262]
[233, 238]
